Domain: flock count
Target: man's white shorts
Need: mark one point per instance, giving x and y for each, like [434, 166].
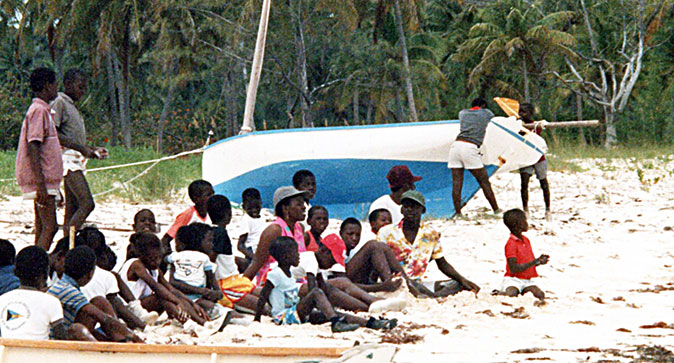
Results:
[520, 284]
[464, 155]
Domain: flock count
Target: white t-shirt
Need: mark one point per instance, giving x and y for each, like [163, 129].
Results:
[139, 288]
[190, 267]
[284, 295]
[26, 314]
[308, 264]
[225, 266]
[103, 284]
[253, 227]
[386, 202]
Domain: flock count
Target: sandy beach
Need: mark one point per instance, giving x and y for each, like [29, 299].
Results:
[610, 273]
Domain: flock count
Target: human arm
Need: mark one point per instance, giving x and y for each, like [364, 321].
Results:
[262, 253]
[138, 270]
[262, 299]
[519, 267]
[449, 271]
[182, 299]
[241, 246]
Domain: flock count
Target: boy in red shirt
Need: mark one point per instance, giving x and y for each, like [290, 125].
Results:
[199, 192]
[521, 266]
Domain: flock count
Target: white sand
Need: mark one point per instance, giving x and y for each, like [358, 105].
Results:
[610, 236]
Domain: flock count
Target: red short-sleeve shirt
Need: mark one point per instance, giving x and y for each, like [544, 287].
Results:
[188, 216]
[521, 250]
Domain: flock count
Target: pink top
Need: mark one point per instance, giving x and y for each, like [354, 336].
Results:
[297, 234]
[39, 126]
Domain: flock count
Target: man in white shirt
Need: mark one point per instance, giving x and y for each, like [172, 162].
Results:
[400, 180]
[27, 312]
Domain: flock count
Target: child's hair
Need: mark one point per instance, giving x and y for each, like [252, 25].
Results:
[315, 209]
[219, 208]
[79, 262]
[32, 262]
[7, 253]
[197, 187]
[92, 237]
[250, 194]
[348, 221]
[40, 78]
[479, 102]
[189, 237]
[513, 217]
[63, 245]
[280, 246]
[375, 214]
[300, 175]
[144, 242]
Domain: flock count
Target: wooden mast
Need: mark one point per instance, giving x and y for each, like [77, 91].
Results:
[256, 69]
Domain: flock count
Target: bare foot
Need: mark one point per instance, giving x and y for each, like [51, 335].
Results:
[391, 285]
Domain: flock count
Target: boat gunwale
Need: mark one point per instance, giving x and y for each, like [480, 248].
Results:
[105, 347]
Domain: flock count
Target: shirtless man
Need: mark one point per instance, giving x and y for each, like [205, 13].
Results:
[73, 138]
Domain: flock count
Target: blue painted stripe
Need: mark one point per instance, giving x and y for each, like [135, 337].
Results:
[332, 128]
[346, 187]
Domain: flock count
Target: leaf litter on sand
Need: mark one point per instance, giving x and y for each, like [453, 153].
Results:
[658, 325]
[518, 313]
[397, 336]
[585, 322]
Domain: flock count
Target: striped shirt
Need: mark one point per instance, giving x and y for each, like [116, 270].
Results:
[72, 299]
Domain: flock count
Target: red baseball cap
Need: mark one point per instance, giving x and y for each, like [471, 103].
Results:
[336, 246]
[400, 175]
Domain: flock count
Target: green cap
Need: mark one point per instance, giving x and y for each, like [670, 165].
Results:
[415, 196]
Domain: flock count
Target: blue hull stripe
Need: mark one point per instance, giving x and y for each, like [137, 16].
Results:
[346, 187]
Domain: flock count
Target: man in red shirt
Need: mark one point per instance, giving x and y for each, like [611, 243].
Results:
[521, 266]
[39, 169]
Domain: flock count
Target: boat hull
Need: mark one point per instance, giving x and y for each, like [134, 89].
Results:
[351, 163]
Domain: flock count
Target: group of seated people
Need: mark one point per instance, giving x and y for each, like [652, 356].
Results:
[287, 272]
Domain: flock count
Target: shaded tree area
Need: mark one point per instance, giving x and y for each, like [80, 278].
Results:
[164, 74]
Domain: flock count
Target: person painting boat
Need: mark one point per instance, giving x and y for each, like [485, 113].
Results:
[464, 154]
[290, 208]
[526, 114]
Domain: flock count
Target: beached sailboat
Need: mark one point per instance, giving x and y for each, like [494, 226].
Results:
[350, 163]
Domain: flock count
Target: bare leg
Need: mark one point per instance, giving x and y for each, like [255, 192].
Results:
[315, 299]
[83, 203]
[340, 298]
[511, 291]
[538, 293]
[374, 256]
[524, 186]
[103, 305]
[546, 193]
[483, 180]
[350, 288]
[206, 304]
[80, 332]
[457, 185]
[131, 320]
[45, 223]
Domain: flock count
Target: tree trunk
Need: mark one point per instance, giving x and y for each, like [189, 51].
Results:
[406, 62]
[302, 68]
[400, 113]
[162, 118]
[525, 74]
[370, 107]
[123, 89]
[611, 132]
[112, 95]
[230, 104]
[579, 116]
[356, 111]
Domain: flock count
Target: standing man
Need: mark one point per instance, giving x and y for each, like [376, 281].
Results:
[400, 180]
[73, 138]
[39, 168]
[526, 114]
[465, 154]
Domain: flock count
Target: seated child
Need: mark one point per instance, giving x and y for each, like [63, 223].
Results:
[57, 259]
[8, 281]
[283, 293]
[372, 261]
[317, 219]
[150, 287]
[521, 266]
[103, 289]
[199, 191]
[191, 270]
[378, 218]
[143, 221]
[31, 313]
[252, 224]
[237, 289]
[79, 266]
